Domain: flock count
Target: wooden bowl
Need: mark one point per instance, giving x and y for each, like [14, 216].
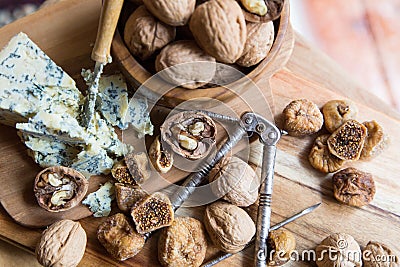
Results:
[137, 74]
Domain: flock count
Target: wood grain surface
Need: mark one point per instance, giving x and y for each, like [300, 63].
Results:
[308, 74]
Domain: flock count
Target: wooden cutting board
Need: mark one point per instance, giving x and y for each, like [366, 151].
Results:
[308, 74]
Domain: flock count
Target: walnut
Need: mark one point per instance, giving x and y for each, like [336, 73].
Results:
[283, 243]
[62, 244]
[321, 158]
[183, 243]
[190, 134]
[348, 140]
[119, 238]
[144, 34]
[338, 250]
[336, 112]
[152, 212]
[128, 195]
[161, 159]
[302, 117]
[59, 188]
[262, 10]
[353, 187]
[219, 28]
[235, 181]
[138, 165]
[174, 13]
[260, 37]
[375, 141]
[184, 64]
[229, 226]
[379, 255]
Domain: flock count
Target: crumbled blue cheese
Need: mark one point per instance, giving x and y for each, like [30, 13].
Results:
[138, 116]
[99, 202]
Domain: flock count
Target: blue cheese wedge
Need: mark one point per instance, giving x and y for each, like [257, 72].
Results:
[30, 81]
[99, 202]
[138, 116]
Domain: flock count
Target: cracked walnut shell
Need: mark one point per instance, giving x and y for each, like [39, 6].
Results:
[183, 63]
[336, 112]
[62, 244]
[184, 243]
[119, 238]
[321, 158]
[302, 117]
[260, 38]
[282, 242]
[259, 11]
[59, 188]
[379, 255]
[348, 140]
[152, 212]
[144, 34]
[375, 141]
[230, 227]
[174, 13]
[353, 187]
[235, 181]
[219, 28]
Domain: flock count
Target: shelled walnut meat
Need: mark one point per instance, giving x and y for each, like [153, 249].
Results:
[161, 158]
[260, 38]
[185, 64]
[235, 181]
[282, 243]
[119, 238]
[184, 243]
[59, 188]
[353, 187]
[144, 34]
[262, 10]
[174, 13]
[230, 227]
[190, 134]
[348, 140]
[219, 28]
[128, 195]
[379, 255]
[152, 212]
[336, 112]
[302, 117]
[321, 158]
[62, 244]
[375, 141]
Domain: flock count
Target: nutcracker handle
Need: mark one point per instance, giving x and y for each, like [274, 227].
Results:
[264, 208]
[108, 23]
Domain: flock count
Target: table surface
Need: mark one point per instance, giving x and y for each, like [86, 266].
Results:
[307, 65]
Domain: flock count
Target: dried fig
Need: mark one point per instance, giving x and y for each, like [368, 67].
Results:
[152, 212]
[353, 187]
[128, 195]
[138, 165]
[119, 238]
[302, 117]
[336, 112]
[190, 134]
[184, 64]
[144, 34]
[184, 243]
[379, 255]
[161, 159]
[282, 243]
[174, 13]
[229, 226]
[348, 140]
[121, 173]
[375, 141]
[62, 244]
[235, 181]
[262, 10]
[260, 37]
[59, 188]
[321, 158]
[219, 28]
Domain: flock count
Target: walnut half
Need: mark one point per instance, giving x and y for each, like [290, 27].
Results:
[59, 188]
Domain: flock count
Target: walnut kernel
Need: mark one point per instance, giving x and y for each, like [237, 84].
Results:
[257, 7]
[353, 187]
[375, 141]
[321, 158]
[336, 112]
[254, 10]
[302, 117]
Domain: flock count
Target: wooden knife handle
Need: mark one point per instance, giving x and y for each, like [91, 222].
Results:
[108, 22]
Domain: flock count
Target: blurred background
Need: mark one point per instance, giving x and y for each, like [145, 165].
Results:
[362, 36]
